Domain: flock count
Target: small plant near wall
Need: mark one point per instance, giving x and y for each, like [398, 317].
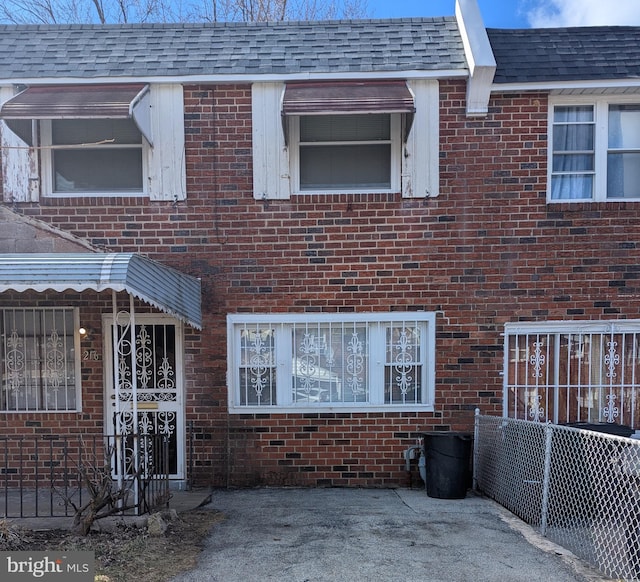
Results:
[107, 497]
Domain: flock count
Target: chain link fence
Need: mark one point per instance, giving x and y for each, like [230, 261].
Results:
[579, 488]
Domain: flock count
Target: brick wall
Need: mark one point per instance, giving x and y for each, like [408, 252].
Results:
[488, 250]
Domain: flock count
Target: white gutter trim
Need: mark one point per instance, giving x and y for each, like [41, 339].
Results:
[238, 78]
[560, 85]
[477, 48]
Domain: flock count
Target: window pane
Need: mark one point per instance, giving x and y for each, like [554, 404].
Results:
[403, 369]
[98, 170]
[572, 162]
[329, 363]
[576, 187]
[257, 374]
[573, 158]
[398, 393]
[314, 128]
[623, 175]
[94, 131]
[624, 126]
[583, 113]
[573, 138]
[257, 389]
[58, 356]
[335, 167]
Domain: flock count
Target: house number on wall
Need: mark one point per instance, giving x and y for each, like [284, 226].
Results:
[93, 355]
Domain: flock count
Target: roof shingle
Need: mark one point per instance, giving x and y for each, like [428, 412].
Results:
[566, 54]
[174, 50]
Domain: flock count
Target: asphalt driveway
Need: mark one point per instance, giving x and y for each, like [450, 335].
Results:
[377, 535]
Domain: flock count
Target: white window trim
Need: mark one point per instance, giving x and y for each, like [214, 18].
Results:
[166, 159]
[395, 165]
[19, 163]
[421, 153]
[77, 350]
[48, 170]
[601, 143]
[376, 362]
[164, 166]
[420, 160]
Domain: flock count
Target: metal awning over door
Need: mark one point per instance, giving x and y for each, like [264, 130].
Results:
[163, 287]
[124, 101]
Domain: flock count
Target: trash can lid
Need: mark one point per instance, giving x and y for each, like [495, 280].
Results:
[448, 433]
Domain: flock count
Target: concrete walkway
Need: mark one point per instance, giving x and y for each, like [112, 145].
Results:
[374, 535]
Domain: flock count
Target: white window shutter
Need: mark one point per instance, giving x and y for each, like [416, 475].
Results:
[421, 162]
[19, 163]
[270, 153]
[167, 179]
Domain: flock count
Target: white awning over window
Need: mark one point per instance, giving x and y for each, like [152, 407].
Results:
[126, 101]
[163, 287]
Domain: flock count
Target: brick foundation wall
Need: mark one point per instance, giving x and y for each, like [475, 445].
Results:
[488, 250]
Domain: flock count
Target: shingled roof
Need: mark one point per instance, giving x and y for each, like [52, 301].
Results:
[566, 54]
[178, 50]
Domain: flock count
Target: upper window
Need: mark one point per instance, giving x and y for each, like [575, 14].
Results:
[334, 137]
[595, 150]
[346, 153]
[94, 140]
[383, 361]
[40, 364]
[95, 156]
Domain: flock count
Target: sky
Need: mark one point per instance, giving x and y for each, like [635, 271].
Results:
[521, 13]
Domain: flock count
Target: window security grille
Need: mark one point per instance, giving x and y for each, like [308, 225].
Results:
[38, 360]
[573, 372]
[280, 361]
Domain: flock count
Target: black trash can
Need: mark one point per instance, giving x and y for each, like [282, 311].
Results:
[448, 460]
[603, 427]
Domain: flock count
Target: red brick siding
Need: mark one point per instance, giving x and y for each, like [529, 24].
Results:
[488, 250]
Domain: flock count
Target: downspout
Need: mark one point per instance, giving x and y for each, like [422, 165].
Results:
[479, 55]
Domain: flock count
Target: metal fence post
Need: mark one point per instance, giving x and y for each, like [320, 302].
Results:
[546, 478]
[6, 476]
[166, 471]
[476, 433]
[189, 483]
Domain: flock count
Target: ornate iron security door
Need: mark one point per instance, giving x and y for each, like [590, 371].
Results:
[145, 393]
